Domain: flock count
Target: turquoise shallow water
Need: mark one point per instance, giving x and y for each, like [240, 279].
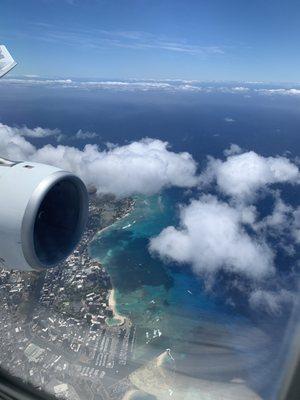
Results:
[167, 303]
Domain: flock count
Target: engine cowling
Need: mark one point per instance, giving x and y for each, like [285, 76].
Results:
[43, 213]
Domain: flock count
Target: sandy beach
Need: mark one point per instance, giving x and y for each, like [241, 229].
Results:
[130, 394]
[120, 319]
[104, 229]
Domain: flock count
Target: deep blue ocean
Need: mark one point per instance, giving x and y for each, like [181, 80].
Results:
[171, 309]
[208, 336]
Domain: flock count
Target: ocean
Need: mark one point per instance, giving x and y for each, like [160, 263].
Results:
[169, 306]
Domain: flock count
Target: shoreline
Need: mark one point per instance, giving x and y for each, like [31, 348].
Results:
[102, 230]
[98, 233]
[128, 395]
[117, 317]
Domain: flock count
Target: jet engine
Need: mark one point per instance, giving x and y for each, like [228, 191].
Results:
[43, 213]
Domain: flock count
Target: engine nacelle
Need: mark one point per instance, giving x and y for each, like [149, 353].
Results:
[43, 212]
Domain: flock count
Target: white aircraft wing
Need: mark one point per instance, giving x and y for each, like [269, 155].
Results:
[6, 61]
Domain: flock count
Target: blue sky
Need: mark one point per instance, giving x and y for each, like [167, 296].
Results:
[159, 39]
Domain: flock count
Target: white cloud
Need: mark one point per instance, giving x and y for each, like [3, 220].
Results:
[81, 135]
[166, 85]
[242, 175]
[144, 167]
[271, 302]
[215, 235]
[279, 91]
[296, 225]
[233, 149]
[281, 224]
[14, 146]
[128, 86]
[229, 119]
[38, 82]
[240, 89]
[279, 220]
[31, 76]
[37, 132]
[211, 237]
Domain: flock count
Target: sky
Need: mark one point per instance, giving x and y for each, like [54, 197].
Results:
[233, 40]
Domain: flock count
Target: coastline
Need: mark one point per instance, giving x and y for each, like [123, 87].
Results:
[129, 395]
[117, 318]
[118, 219]
[104, 229]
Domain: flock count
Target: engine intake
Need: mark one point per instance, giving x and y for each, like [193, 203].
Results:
[43, 213]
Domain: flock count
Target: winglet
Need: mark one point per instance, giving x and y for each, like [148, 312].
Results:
[6, 61]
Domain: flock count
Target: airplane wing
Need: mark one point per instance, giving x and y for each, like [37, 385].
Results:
[6, 61]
